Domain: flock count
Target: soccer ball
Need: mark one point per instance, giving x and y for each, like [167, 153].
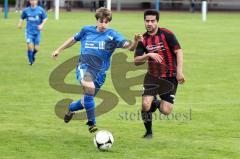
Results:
[103, 140]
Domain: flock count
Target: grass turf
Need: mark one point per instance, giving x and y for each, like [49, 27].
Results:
[29, 127]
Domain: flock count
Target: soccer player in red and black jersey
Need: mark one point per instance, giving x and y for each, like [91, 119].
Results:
[160, 48]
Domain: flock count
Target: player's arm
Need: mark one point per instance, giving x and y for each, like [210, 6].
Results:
[44, 20]
[20, 23]
[40, 27]
[175, 46]
[68, 43]
[141, 57]
[180, 76]
[132, 45]
[139, 60]
[23, 16]
[127, 44]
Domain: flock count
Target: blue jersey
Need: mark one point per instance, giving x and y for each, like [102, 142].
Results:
[34, 17]
[97, 47]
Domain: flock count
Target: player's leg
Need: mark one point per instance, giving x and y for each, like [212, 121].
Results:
[147, 115]
[79, 104]
[17, 5]
[163, 106]
[150, 90]
[89, 103]
[155, 104]
[86, 102]
[166, 107]
[36, 48]
[74, 106]
[30, 47]
[167, 87]
[91, 91]
[90, 88]
[167, 101]
[36, 45]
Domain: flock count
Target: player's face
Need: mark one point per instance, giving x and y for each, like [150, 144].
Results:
[102, 24]
[33, 3]
[151, 23]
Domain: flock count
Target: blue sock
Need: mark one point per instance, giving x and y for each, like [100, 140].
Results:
[77, 105]
[34, 53]
[89, 106]
[30, 56]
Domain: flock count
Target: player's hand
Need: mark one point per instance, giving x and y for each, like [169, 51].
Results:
[155, 56]
[40, 27]
[138, 37]
[180, 78]
[19, 26]
[55, 54]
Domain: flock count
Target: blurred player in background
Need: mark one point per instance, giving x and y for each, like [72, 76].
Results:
[19, 5]
[164, 55]
[36, 17]
[97, 46]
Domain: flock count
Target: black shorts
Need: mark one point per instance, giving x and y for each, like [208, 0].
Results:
[165, 87]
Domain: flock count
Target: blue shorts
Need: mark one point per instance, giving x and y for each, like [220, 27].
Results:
[98, 77]
[33, 38]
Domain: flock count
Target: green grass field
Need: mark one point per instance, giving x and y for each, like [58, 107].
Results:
[29, 127]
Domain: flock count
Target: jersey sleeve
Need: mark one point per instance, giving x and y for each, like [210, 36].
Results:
[23, 15]
[44, 15]
[172, 41]
[120, 40]
[79, 35]
[140, 50]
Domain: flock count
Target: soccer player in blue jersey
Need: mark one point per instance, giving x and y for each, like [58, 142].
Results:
[36, 17]
[97, 45]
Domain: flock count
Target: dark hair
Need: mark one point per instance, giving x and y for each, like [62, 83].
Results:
[151, 12]
[103, 13]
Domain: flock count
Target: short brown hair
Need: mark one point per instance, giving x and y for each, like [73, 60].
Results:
[103, 13]
[151, 12]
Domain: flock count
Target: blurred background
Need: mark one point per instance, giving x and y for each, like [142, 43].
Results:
[183, 5]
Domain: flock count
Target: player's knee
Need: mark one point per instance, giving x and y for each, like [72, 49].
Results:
[36, 48]
[30, 47]
[145, 109]
[89, 87]
[166, 111]
[166, 108]
[90, 90]
[146, 106]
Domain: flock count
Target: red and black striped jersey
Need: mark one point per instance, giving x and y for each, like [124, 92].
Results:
[163, 43]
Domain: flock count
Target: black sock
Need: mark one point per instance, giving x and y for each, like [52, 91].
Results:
[35, 51]
[155, 105]
[147, 120]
